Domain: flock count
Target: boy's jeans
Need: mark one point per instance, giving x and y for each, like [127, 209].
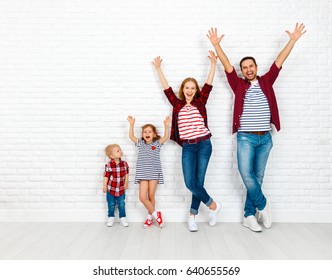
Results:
[112, 201]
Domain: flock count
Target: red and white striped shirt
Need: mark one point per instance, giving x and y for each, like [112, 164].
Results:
[191, 123]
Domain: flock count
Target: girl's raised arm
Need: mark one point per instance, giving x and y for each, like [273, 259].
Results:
[167, 122]
[131, 121]
[157, 64]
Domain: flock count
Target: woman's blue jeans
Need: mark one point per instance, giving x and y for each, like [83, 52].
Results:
[252, 155]
[195, 160]
[112, 201]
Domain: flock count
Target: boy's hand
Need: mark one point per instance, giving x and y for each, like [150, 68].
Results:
[104, 189]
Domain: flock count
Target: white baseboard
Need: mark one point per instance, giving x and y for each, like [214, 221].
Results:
[178, 215]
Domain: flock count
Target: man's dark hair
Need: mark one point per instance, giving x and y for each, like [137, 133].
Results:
[245, 58]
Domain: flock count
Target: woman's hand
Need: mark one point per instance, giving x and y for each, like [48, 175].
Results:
[213, 58]
[157, 62]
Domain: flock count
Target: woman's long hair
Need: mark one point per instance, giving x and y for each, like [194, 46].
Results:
[181, 94]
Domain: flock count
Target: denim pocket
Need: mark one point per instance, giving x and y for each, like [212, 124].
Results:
[206, 142]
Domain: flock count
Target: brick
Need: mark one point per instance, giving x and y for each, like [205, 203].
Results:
[71, 74]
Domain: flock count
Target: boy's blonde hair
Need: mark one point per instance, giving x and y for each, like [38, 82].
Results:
[109, 148]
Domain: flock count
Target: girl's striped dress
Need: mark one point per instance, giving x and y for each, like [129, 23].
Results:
[148, 162]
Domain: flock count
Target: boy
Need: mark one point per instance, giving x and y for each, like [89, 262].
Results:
[115, 183]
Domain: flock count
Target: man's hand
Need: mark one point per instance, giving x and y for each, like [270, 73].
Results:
[297, 33]
[213, 36]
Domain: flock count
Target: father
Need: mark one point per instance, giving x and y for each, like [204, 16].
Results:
[255, 108]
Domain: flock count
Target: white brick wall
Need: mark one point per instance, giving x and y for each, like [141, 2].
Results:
[71, 71]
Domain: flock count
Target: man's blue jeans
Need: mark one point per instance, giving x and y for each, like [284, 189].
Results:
[112, 201]
[252, 155]
[195, 159]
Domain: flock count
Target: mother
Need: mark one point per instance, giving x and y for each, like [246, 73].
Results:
[190, 130]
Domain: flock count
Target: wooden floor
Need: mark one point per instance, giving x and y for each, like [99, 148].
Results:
[227, 241]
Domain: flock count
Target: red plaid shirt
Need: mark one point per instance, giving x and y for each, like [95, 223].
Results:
[178, 104]
[240, 87]
[116, 174]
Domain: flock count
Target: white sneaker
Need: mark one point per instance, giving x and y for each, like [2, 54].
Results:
[213, 216]
[192, 226]
[251, 223]
[258, 217]
[265, 215]
[110, 221]
[123, 222]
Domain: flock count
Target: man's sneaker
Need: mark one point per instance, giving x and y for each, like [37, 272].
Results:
[123, 222]
[147, 223]
[159, 219]
[213, 216]
[259, 217]
[251, 223]
[265, 215]
[192, 226]
[110, 221]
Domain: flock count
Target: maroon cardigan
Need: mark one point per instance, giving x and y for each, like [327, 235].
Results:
[240, 87]
[178, 104]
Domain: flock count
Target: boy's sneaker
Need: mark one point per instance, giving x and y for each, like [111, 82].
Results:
[192, 226]
[213, 216]
[251, 223]
[123, 222]
[159, 219]
[147, 223]
[265, 215]
[110, 221]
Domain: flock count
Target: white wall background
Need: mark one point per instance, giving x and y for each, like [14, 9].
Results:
[71, 71]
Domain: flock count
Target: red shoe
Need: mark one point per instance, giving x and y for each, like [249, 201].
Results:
[159, 219]
[147, 223]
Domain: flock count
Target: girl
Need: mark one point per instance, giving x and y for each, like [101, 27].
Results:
[190, 130]
[148, 170]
